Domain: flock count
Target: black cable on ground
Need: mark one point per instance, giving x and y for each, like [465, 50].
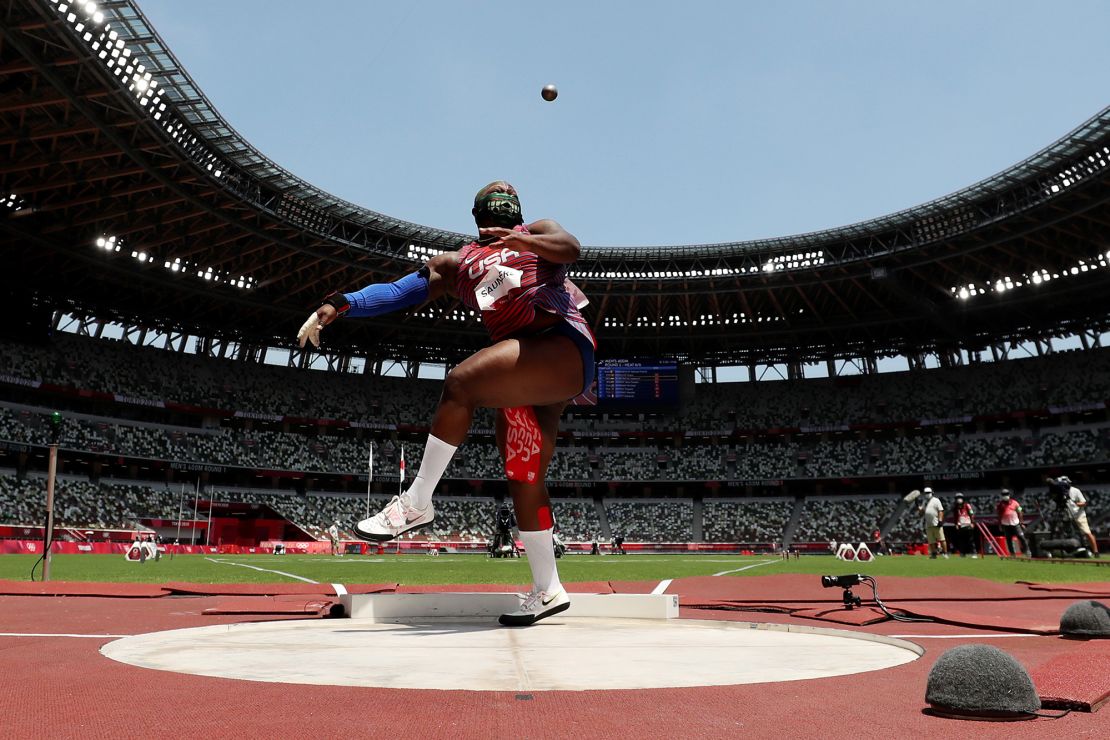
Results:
[898, 617]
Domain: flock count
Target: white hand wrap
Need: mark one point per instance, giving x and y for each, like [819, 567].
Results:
[310, 331]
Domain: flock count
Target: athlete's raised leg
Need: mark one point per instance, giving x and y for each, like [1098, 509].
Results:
[513, 372]
[533, 371]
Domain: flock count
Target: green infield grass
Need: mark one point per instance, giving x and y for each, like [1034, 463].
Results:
[424, 569]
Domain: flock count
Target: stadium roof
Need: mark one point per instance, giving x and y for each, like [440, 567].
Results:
[124, 193]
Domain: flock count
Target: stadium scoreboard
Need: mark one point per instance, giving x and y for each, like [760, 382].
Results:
[637, 383]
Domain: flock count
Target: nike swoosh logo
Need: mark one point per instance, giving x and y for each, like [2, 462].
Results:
[470, 259]
[545, 602]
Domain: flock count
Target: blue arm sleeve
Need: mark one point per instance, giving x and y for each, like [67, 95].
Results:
[381, 298]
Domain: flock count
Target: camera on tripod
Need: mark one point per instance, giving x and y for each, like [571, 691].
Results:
[841, 581]
[851, 601]
[1058, 490]
[1056, 534]
[503, 544]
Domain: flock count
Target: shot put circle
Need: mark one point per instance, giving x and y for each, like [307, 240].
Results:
[567, 655]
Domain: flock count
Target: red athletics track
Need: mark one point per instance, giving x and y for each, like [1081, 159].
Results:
[63, 687]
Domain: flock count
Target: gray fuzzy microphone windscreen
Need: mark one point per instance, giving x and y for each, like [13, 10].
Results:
[1086, 619]
[981, 681]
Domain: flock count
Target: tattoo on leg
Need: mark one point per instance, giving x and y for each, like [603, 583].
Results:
[523, 444]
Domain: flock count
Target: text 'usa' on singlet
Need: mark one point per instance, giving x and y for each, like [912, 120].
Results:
[508, 287]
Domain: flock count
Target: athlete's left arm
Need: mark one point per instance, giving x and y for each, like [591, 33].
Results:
[546, 238]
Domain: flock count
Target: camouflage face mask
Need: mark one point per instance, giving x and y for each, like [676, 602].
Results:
[498, 209]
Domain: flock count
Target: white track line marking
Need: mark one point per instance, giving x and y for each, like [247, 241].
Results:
[959, 637]
[54, 634]
[747, 567]
[662, 587]
[264, 570]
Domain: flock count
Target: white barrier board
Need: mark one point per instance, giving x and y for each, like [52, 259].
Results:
[462, 605]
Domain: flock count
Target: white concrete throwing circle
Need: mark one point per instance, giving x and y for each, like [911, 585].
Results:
[572, 655]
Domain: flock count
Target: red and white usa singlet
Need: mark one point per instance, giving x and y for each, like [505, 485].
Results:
[507, 288]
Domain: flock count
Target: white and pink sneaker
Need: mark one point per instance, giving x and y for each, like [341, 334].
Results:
[536, 606]
[394, 520]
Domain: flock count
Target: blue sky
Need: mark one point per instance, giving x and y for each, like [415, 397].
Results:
[676, 123]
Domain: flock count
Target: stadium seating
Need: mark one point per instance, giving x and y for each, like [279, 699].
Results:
[757, 461]
[576, 519]
[125, 415]
[79, 503]
[746, 520]
[145, 373]
[115, 504]
[478, 459]
[651, 521]
[854, 520]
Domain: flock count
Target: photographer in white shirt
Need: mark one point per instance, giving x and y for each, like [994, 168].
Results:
[1077, 505]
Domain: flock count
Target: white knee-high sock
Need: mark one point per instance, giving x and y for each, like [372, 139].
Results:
[539, 548]
[437, 456]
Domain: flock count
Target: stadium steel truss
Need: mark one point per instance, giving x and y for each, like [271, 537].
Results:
[125, 196]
